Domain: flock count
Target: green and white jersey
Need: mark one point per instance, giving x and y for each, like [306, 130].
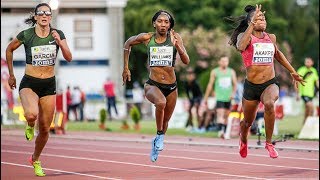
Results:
[163, 54]
[39, 51]
[223, 84]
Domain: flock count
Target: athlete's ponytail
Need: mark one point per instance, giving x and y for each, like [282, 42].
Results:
[242, 22]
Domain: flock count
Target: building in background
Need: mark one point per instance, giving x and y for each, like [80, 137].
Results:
[95, 34]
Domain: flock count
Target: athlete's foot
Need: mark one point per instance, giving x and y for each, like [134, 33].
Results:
[154, 153]
[38, 171]
[29, 132]
[159, 142]
[221, 134]
[243, 148]
[272, 151]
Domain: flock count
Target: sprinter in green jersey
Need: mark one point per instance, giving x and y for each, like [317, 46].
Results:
[223, 79]
[37, 89]
[161, 88]
[307, 92]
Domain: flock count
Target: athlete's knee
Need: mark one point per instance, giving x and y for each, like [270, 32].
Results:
[309, 104]
[43, 129]
[31, 116]
[269, 106]
[161, 104]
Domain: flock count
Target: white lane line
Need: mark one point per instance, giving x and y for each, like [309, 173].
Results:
[136, 164]
[179, 150]
[61, 171]
[183, 157]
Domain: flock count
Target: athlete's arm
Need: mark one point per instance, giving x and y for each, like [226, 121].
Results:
[209, 86]
[178, 43]
[133, 40]
[279, 56]
[63, 45]
[13, 45]
[243, 39]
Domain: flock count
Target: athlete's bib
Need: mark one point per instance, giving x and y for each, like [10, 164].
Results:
[263, 53]
[161, 56]
[43, 55]
[224, 82]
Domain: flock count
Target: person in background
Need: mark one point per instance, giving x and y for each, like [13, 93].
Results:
[76, 101]
[82, 103]
[307, 92]
[69, 101]
[137, 95]
[108, 87]
[224, 81]
[38, 86]
[194, 95]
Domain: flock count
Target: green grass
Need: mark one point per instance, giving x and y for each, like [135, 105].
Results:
[146, 127]
[290, 124]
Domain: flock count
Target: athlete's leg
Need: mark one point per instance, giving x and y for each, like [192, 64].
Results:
[170, 105]
[308, 110]
[29, 101]
[189, 122]
[225, 117]
[250, 112]
[269, 97]
[199, 120]
[221, 121]
[46, 110]
[155, 96]
[109, 99]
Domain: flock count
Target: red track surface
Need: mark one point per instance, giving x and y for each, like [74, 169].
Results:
[84, 156]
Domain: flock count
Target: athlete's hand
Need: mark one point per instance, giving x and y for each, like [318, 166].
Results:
[173, 36]
[126, 75]
[297, 79]
[12, 82]
[257, 15]
[56, 36]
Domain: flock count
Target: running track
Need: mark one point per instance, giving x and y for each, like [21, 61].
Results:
[117, 156]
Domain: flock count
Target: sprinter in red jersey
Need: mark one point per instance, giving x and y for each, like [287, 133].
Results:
[258, 49]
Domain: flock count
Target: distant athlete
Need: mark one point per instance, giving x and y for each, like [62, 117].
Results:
[307, 92]
[223, 80]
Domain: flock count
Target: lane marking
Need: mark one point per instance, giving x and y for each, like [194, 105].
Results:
[60, 171]
[135, 164]
[182, 157]
[171, 149]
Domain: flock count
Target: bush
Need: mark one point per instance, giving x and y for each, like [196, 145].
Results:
[103, 115]
[135, 114]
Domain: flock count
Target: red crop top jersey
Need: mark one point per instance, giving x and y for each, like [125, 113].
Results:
[260, 51]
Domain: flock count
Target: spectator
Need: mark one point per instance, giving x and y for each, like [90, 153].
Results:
[111, 96]
[137, 95]
[69, 101]
[82, 103]
[194, 95]
[76, 100]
